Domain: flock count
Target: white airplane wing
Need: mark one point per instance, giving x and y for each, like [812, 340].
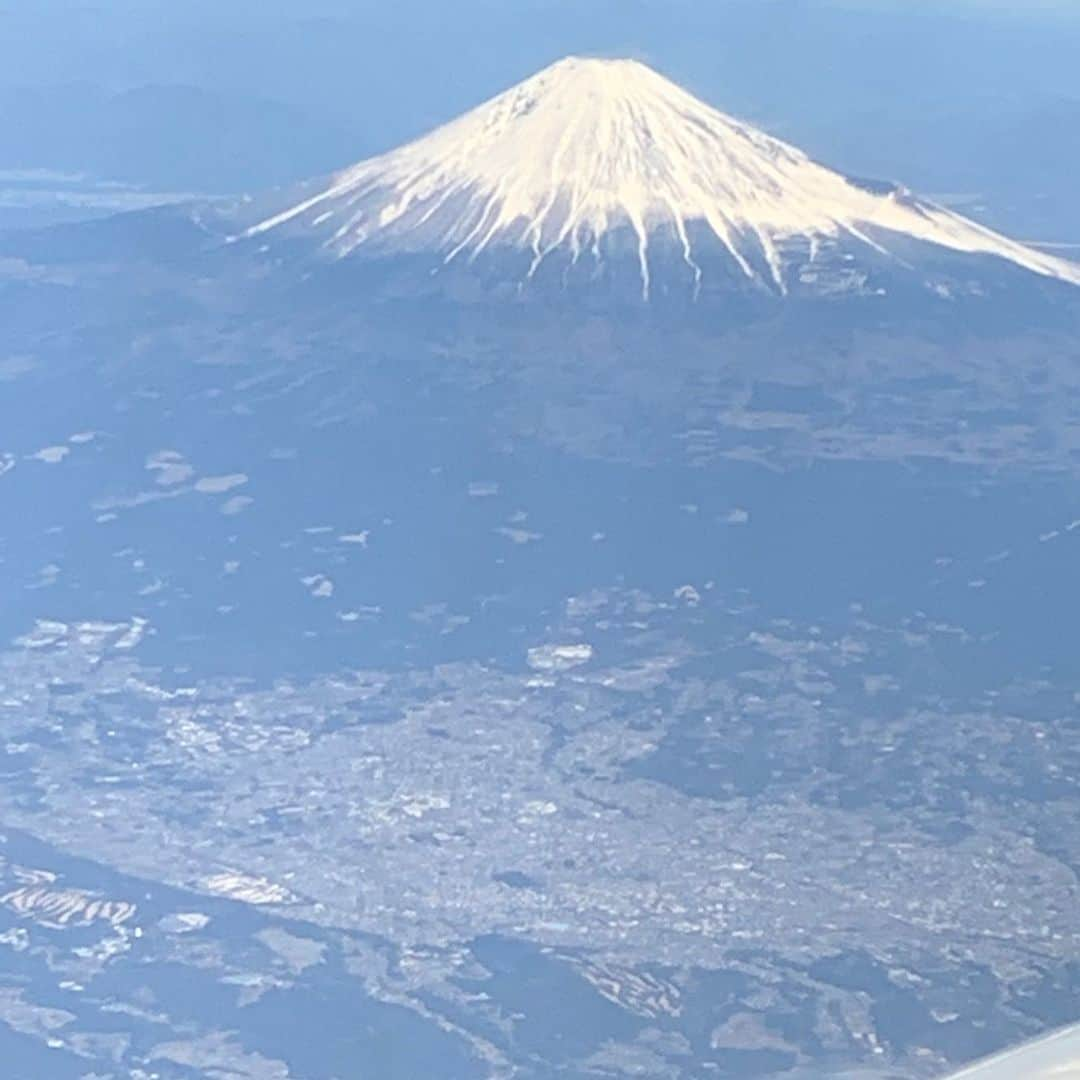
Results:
[1056, 1057]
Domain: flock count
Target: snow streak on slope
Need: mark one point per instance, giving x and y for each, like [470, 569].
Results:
[587, 147]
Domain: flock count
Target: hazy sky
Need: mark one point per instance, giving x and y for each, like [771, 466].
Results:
[946, 94]
[321, 51]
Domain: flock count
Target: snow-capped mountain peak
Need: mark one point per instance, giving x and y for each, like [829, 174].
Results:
[590, 149]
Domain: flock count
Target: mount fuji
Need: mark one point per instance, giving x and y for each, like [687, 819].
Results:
[592, 167]
[463, 668]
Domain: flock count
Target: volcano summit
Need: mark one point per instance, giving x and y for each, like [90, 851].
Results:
[591, 161]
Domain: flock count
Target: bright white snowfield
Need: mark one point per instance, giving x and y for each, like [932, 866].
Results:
[587, 148]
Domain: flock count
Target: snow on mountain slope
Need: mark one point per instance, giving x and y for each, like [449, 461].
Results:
[587, 148]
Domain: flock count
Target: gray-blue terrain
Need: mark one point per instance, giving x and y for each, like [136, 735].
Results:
[434, 675]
